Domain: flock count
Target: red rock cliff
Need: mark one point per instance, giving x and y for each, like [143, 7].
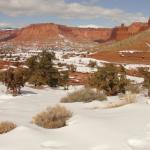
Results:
[49, 32]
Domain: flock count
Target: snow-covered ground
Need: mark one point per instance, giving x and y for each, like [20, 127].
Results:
[135, 66]
[122, 128]
[135, 79]
[81, 63]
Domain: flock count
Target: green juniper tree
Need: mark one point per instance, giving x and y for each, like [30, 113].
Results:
[107, 79]
[146, 74]
[42, 70]
[37, 79]
[64, 80]
[14, 79]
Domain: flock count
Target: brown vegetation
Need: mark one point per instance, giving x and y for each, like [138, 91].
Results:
[53, 117]
[6, 127]
[84, 95]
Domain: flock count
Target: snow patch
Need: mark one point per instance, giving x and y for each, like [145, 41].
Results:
[54, 144]
[4, 97]
[139, 144]
[105, 147]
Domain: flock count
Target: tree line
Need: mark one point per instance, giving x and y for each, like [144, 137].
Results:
[41, 71]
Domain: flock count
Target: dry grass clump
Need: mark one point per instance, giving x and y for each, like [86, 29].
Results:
[53, 117]
[84, 95]
[129, 97]
[6, 127]
[116, 104]
[133, 88]
[125, 99]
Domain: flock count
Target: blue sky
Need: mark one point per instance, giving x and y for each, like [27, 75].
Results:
[101, 13]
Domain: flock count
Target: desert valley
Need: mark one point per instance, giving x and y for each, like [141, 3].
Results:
[75, 88]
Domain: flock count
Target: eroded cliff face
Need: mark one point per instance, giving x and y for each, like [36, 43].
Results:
[49, 33]
[123, 32]
[52, 32]
[86, 34]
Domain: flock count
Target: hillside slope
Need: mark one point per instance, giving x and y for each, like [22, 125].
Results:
[140, 42]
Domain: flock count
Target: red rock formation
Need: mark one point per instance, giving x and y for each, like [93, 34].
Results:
[48, 32]
[120, 33]
[136, 27]
[149, 22]
[51, 32]
[123, 32]
[86, 34]
[7, 35]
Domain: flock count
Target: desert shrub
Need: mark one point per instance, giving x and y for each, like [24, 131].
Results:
[37, 79]
[14, 80]
[92, 64]
[60, 64]
[72, 68]
[129, 97]
[53, 117]
[146, 74]
[116, 104]
[6, 127]
[133, 88]
[84, 95]
[2, 76]
[110, 79]
[64, 79]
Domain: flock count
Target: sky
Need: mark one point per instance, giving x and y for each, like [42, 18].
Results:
[83, 13]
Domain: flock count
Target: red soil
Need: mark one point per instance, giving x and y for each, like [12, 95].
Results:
[77, 78]
[129, 58]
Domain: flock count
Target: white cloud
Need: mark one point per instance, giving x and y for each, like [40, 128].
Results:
[4, 24]
[60, 8]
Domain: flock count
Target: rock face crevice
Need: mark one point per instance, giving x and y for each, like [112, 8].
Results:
[49, 32]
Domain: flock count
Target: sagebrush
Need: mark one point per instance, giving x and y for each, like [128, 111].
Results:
[84, 95]
[53, 117]
[6, 127]
[133, 88]
[129, 97]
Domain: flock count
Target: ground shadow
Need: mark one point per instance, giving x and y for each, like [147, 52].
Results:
[27, 92]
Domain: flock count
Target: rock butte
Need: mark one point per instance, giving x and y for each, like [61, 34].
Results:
[49, 32]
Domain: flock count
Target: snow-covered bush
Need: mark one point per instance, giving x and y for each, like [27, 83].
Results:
[53, 117]
[6, 127]
[84, 95]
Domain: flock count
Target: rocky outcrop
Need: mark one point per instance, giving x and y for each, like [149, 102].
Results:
[7, 35]
[122, 32]
[51, 32]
